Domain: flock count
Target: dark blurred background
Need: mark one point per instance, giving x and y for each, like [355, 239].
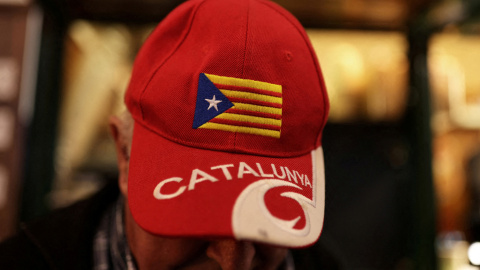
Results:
[402, 145]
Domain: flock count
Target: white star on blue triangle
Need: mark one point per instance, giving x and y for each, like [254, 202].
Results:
[208, 96]
[212, 103]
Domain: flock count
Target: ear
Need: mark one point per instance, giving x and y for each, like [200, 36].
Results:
[122, 153]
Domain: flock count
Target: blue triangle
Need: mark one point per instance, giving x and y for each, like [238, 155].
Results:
[207, 90]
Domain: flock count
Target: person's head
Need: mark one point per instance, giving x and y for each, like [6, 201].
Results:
[163, 252]
[220, 154]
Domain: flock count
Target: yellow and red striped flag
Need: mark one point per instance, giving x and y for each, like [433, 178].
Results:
[238, 105]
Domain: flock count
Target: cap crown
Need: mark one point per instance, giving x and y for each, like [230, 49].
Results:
[251, 40]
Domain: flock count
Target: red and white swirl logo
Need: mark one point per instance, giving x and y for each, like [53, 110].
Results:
[299, 230]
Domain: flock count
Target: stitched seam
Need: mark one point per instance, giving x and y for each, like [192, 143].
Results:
[317, 67]
[244, 60]
[167, 58]
[246, 40]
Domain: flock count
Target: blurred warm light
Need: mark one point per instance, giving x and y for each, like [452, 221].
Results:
[453, 69]
[98, 62]
[452, 249]
[474, 253]
[365, 73]
[453, 60]
[455, 87]
[97, 72]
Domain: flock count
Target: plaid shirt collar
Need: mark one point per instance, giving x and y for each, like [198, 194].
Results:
[110, 250]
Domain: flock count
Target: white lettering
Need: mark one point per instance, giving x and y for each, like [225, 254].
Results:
[199, 176]
[300, 176]
[225, 171]
[307, 181]
[276, 174]
[291, 175]
[262, 173]
[157, 193]
[194, 178]
[245, 169]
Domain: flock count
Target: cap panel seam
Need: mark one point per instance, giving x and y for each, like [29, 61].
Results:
[167, 58]
[246, 40]
[317, 67]
[244, 61]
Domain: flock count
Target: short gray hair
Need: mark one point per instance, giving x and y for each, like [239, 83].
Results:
[126, 130]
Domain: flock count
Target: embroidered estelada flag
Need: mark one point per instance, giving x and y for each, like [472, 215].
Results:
[238, 105]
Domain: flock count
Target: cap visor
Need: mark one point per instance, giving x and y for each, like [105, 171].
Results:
[176, 190]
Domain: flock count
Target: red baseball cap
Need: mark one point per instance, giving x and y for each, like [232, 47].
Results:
[229, 106]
